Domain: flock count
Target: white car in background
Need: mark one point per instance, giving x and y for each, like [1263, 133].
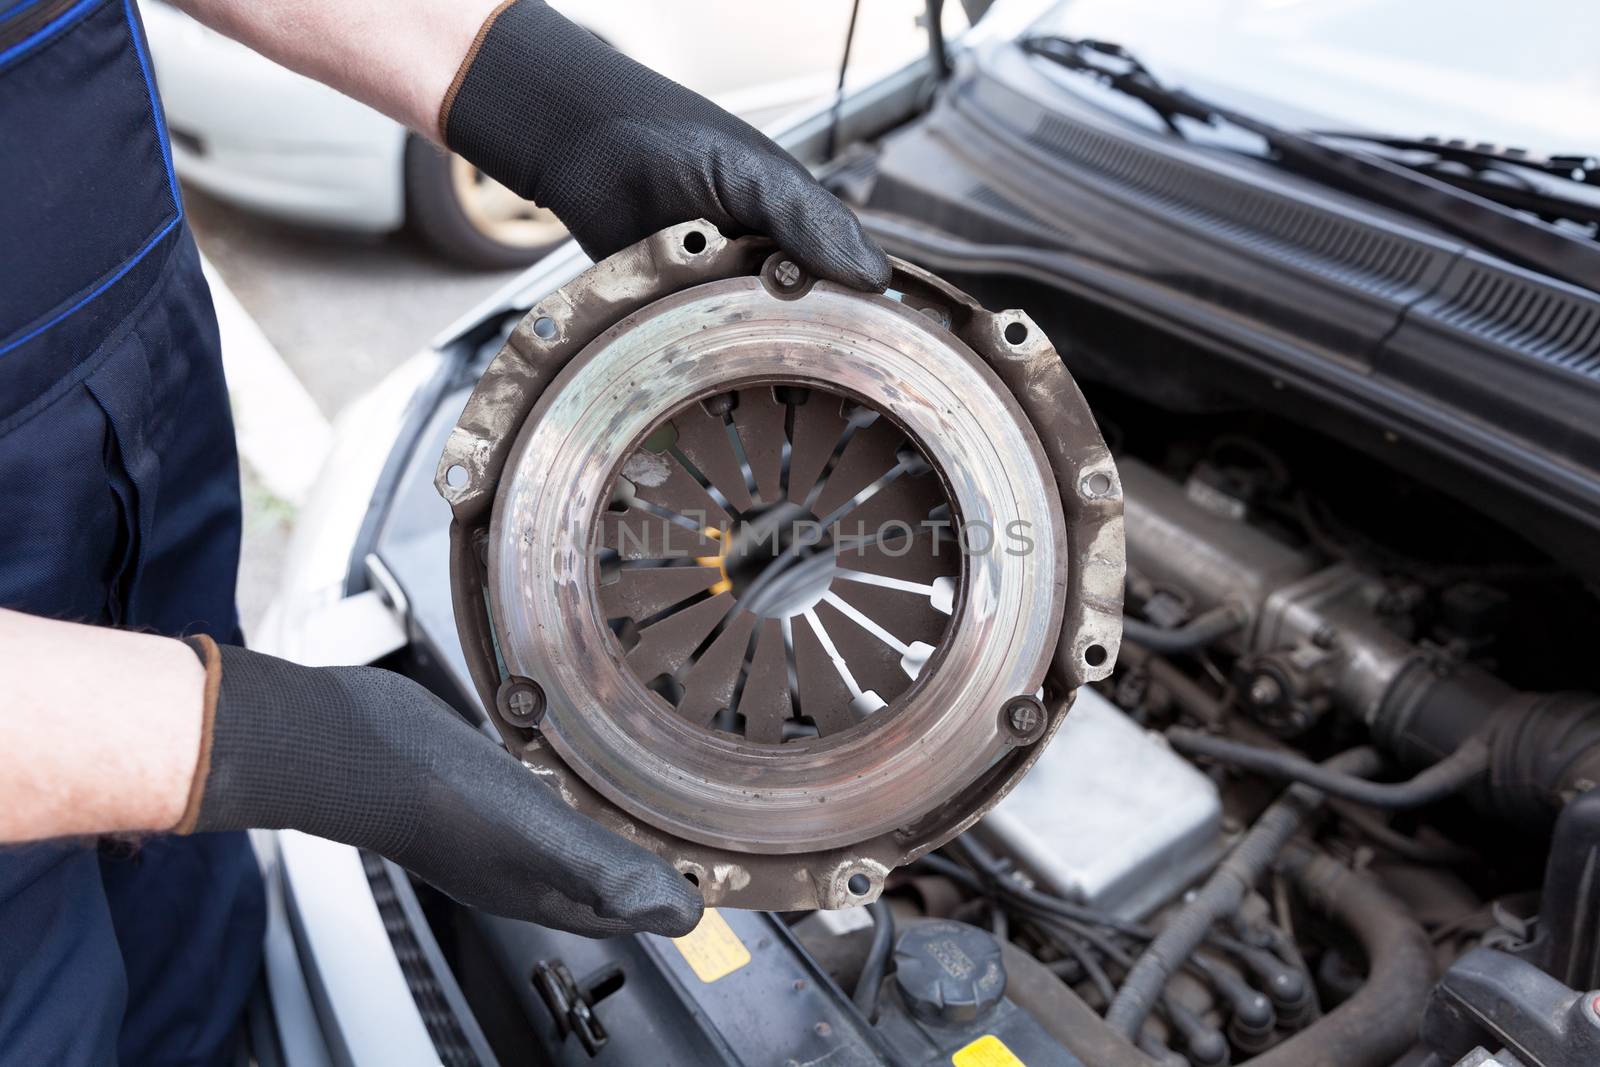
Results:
[248, 131]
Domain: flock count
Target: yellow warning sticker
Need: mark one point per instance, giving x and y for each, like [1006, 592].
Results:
[712, 949]
[987, 1051]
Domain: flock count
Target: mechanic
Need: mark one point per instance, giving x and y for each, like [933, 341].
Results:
[119, 507]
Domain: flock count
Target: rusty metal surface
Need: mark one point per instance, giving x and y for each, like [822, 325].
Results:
[774, 757]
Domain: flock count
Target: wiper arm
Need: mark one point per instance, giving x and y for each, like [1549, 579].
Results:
[1464, 214]
[1114, 66]
[1555, 188]
[1581, 169]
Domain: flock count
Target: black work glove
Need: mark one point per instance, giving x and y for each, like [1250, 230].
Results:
[618, 152]
[370, 758]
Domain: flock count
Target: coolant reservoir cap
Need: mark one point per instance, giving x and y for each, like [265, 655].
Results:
[949, 972]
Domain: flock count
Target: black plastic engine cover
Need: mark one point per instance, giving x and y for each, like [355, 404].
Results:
[739, 991]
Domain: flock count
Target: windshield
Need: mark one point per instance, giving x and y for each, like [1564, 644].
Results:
[1521, 74]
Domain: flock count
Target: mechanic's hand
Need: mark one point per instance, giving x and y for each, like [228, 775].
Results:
[618, 152]
[372, 759]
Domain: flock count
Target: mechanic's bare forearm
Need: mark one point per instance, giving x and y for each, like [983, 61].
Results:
[398, 56]
[99, 729]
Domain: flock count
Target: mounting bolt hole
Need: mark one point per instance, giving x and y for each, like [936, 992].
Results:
[1096, 485]
[859, 885]
[1016, 333]
[692, 878]
[1094, 655]
[694, 242]
[456, 476]
[544, 328]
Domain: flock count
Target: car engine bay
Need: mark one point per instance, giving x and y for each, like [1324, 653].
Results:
[1306, 819]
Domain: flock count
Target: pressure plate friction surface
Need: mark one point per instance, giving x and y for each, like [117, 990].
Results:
[766, 574]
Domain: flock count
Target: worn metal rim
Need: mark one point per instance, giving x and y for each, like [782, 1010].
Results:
[721, 790]
[549, 338]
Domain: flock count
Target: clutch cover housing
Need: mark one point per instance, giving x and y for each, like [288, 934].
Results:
[785, 582]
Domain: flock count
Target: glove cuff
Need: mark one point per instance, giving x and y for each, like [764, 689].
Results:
[211, 659]
[536, 105]
[471, 57]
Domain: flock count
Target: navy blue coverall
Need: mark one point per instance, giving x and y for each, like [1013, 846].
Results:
[119, 504]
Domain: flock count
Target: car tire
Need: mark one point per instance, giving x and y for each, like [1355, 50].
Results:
[470, 218]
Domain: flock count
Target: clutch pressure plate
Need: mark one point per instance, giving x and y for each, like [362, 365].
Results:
[785, 582]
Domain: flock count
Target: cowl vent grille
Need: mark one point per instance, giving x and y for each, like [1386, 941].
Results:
[1306, 237]
[1532, 319]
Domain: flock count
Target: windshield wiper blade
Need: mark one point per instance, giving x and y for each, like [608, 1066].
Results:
[1572, 167]
[1504, 231]
[1114, 66]
[1555, 188]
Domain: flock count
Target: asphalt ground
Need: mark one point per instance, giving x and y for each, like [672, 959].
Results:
[341, 309]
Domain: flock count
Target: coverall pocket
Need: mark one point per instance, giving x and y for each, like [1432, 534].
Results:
[89, 191]
[68, 512]
[122, 388]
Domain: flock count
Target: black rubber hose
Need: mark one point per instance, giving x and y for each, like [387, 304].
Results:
[1446, 778]
[1222, 894]
[1084, 921]
[1545, 747]
[1371, 1029]
[1063, 1014]
[1371, 825]
[871, 980]
[1092, 971]
[1192, 636]
[1546, 751]
[1070, 922]
[1379, 1023]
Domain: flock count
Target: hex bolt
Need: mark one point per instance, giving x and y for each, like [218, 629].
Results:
[1265, 690]
[718, 405]
[521, 702]
[1025, 718]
